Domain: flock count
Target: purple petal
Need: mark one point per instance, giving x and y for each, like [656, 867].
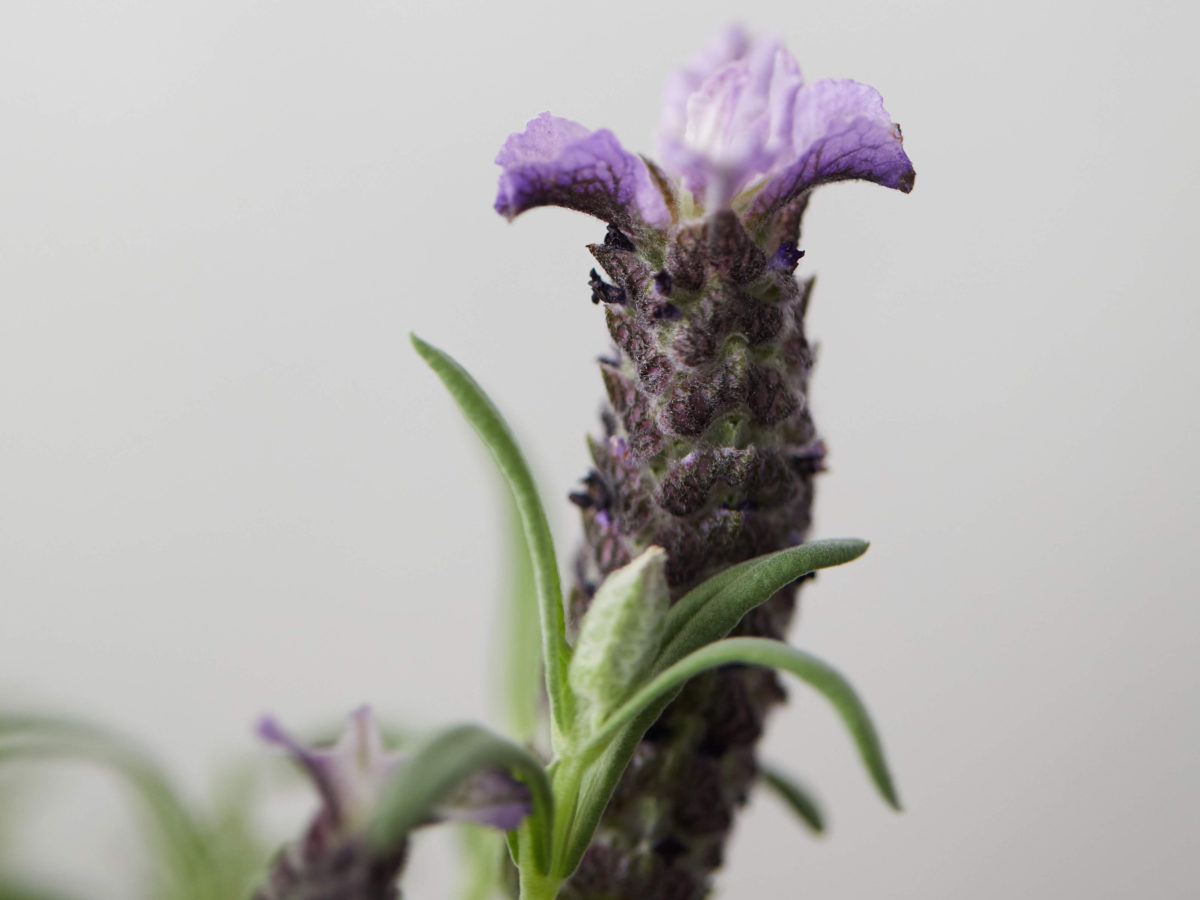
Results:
[840, 130]
[314, 762]
[729, 45]
[491, 797]
[737, 122]
[349, 775]
[557, 162]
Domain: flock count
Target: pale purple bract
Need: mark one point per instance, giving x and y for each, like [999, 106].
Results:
[739, 128]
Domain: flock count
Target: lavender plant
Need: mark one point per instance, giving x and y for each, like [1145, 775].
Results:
[709, 450]
[658, 667]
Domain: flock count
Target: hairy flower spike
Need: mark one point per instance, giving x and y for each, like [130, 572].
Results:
[709, 449]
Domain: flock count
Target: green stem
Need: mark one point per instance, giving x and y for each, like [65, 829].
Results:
[535, 886]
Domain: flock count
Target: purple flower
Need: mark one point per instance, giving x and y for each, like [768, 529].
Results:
[739, 129]
[350, 777]
[557, 162]
[334, 857]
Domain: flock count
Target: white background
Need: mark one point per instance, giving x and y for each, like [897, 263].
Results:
[228, 486]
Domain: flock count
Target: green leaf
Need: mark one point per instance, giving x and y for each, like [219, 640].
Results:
[179, 836]
[441, 764]
[705, 614]
[521, 684]
[620, 635]
[799, 798]
[599, 782]
[491, 427]
[709, 612]
[773, 654]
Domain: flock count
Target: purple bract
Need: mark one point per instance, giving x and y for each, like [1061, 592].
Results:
[740, 129]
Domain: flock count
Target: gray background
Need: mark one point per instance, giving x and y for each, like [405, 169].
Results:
[228, 486]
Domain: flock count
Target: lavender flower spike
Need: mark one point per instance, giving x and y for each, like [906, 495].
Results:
[334, 858]
[709, 448]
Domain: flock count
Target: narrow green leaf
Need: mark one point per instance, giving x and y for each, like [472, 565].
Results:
[599, 782]
[492, 429]
[799, 798]
[441, 764]
[705, 614]
[178, 834]
[774, 654]
[709, 612]
[522, 663]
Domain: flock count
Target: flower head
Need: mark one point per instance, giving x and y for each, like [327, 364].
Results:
[334, 857]
[739, 129]
[351, 775]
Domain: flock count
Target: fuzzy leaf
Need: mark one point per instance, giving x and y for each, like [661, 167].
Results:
[620, 633]
[441, 764]
[710, 611]
[494, 431]
[705, 614]
[773, 654]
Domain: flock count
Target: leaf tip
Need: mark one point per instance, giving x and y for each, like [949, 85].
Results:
[888, 789]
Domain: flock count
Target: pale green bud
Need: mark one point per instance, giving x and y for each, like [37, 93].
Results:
[620, 634]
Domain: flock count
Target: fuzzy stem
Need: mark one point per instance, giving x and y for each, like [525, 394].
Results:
[535, 886]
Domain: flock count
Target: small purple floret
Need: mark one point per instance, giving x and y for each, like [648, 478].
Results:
[603, 292]
[786, 257]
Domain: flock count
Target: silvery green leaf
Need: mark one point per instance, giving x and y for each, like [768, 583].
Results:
[705, 614]
[620, 633]
[710, 611]
[774, 654]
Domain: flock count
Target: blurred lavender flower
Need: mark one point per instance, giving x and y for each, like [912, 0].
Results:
[709, 449]
[334, 857]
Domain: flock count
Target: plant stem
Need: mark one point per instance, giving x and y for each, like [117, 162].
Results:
[536, 886]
